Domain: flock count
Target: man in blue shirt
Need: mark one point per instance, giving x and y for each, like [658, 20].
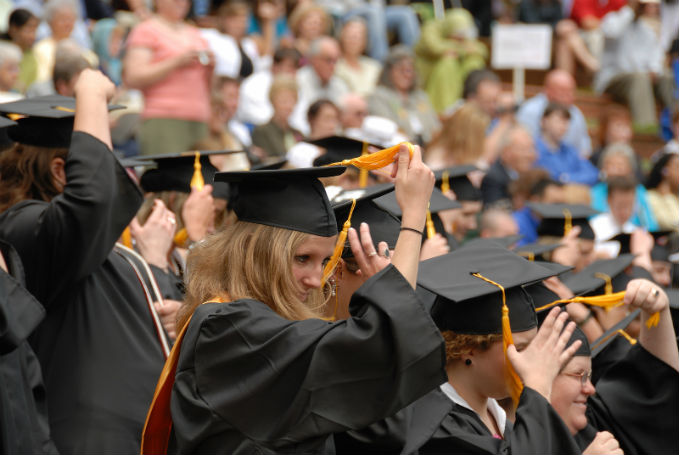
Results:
[559, 158]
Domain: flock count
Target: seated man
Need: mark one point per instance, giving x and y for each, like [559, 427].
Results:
[556, 156]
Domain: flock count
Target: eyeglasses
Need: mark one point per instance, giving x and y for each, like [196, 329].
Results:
[584, 376]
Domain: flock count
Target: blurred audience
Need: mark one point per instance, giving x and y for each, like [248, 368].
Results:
[663, 190]
[21, 30]
[324, 120]
[358, 71]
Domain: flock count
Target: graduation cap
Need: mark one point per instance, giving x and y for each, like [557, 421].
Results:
[43, 121]
[535, 251]
[339, 148]
[455, 179]
[468, 304]
[177, 172]
[558, 219]
[270, 166]
[437, 203]
[600, 344]
[5, 141]
[600, 275]
[659, 251]
[384, 227]
[288, 198]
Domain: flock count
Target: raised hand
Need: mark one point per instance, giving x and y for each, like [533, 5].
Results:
[543, 358]
[369, 260]
[154, 238]
[198, 213]
[435, 246]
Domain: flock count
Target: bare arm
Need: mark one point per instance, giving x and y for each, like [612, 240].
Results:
[92, 92]
[414, 184]
[140, 72]
[661, 339]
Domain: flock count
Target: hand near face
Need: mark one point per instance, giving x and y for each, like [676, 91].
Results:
[543, 358]
[154, 239]
[435, 246]
[369, 260]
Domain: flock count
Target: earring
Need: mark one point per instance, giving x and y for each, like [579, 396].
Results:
[468, 362]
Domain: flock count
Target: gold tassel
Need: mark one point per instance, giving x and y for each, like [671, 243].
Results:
[181, 237]
[528, 255]
[445, 182]
[512, 378]
[126, 237]
[568, 221]
[612, 334]
[608, 288]
[376, 160]
[339, 247]
[606, 301]
[197, 181]
[363, 173]
[653, 320]
[431, 230]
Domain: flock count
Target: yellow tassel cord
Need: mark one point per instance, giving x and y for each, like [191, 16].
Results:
[612, 334]
[528, 255]
[608, 288]
[568, 221]
[606, 301]
[339, 247]
[513, 380]
[197, 181]
[126, 237]
[377, 160]
[445, 182]
[180, 238]
[363, 173]
[431, 230]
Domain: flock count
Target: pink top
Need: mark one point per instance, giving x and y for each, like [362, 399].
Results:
[184, 93]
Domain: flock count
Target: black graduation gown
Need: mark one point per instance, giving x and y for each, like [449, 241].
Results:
[434, 424]
[637, 400]
[249, 381]
[97, 346]
[24, 427]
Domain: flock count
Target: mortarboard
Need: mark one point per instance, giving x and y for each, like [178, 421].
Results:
[384, 227]
[467, 304]
[535, 251]
[437, 203]
[557, 219]
[599, 275]
[175, 172]
[43, 121]
[455, 179]
[339, 148]
[659, 252]
[600, 344]
[269, 166]
[289, 198]
[5, 141]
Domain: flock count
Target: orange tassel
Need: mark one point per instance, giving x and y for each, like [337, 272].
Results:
[126, 237]
[363, 173]
[181, 238]
[608, 288]
[377, 160]
[568, 221]
[431, 230]
[445, 182]
[653, 320]
[512, 378]
[339, 247]
[197, 180]
[612, 334]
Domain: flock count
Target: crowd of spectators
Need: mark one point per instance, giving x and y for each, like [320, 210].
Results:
[268, 75]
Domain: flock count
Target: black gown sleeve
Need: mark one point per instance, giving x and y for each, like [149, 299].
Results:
[170, 285]
[283, 382]
[637, 401]
[63, 241]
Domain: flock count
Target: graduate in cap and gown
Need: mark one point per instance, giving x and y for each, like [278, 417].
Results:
[101, 344]
[635, 401]
[463, 415]
[257, 367]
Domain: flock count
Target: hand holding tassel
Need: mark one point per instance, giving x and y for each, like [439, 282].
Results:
[649, 297]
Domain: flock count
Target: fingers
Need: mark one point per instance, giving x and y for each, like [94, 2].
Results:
[383, 249]
[367, 241]
[512, 355]
[403, 162]
[416, 159]
[547, 325]
[135, 227]
[357, 249]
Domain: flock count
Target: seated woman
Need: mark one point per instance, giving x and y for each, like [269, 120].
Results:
[635, 400]
[259, 370]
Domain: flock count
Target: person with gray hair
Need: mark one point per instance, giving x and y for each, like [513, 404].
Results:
[398, 98]
[61, 16]
[10, 57]
[619, 160]
[318, 80]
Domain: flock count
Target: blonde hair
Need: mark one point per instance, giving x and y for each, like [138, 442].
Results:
[462, 135]
[282, 83]
[301, 12]
[458, 344]
[249, 261]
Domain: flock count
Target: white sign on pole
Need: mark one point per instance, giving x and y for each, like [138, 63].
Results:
[522, 46]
